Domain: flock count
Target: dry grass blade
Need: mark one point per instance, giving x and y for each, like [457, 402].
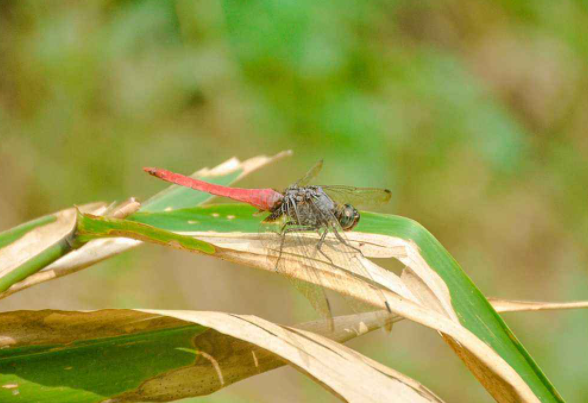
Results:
[504, 305]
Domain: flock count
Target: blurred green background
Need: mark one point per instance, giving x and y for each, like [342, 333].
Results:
[472, 112]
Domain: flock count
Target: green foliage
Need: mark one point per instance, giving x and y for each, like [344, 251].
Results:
[68, 372]
[93, 227]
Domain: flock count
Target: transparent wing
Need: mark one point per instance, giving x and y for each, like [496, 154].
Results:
[311, 174]
[358, 197]
[336, 264]
[294, 252]
[349, 259]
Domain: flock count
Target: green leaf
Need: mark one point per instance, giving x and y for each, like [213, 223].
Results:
[91, 227]
[130, 355]
[216, 217]
[86, 358]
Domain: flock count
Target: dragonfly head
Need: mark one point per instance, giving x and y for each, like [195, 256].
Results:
[348, 217]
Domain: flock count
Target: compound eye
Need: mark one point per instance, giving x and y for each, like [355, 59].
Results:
[349, 217]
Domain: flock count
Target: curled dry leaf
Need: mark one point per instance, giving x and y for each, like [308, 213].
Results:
[168, 355]
[344, 372]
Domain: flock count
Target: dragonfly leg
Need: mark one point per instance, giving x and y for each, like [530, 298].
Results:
[320, 243]
[286, 229]
[282, 240]
[289, 227]
[283, 236]
[346, 243]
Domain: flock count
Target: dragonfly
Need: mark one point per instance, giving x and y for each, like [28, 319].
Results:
[302, 210]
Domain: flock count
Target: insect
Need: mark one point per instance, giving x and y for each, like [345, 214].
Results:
[302, 210]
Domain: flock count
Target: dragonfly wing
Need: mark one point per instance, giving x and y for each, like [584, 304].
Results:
[311, 174]
[343, 255]
[297, 248]
[358, 197]
[295, 252]
[340, 264]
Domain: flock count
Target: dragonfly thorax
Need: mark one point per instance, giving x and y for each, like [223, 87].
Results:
[311, 207]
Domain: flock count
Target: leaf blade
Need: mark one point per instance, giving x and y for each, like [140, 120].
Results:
[167, 355]
[462, 301]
